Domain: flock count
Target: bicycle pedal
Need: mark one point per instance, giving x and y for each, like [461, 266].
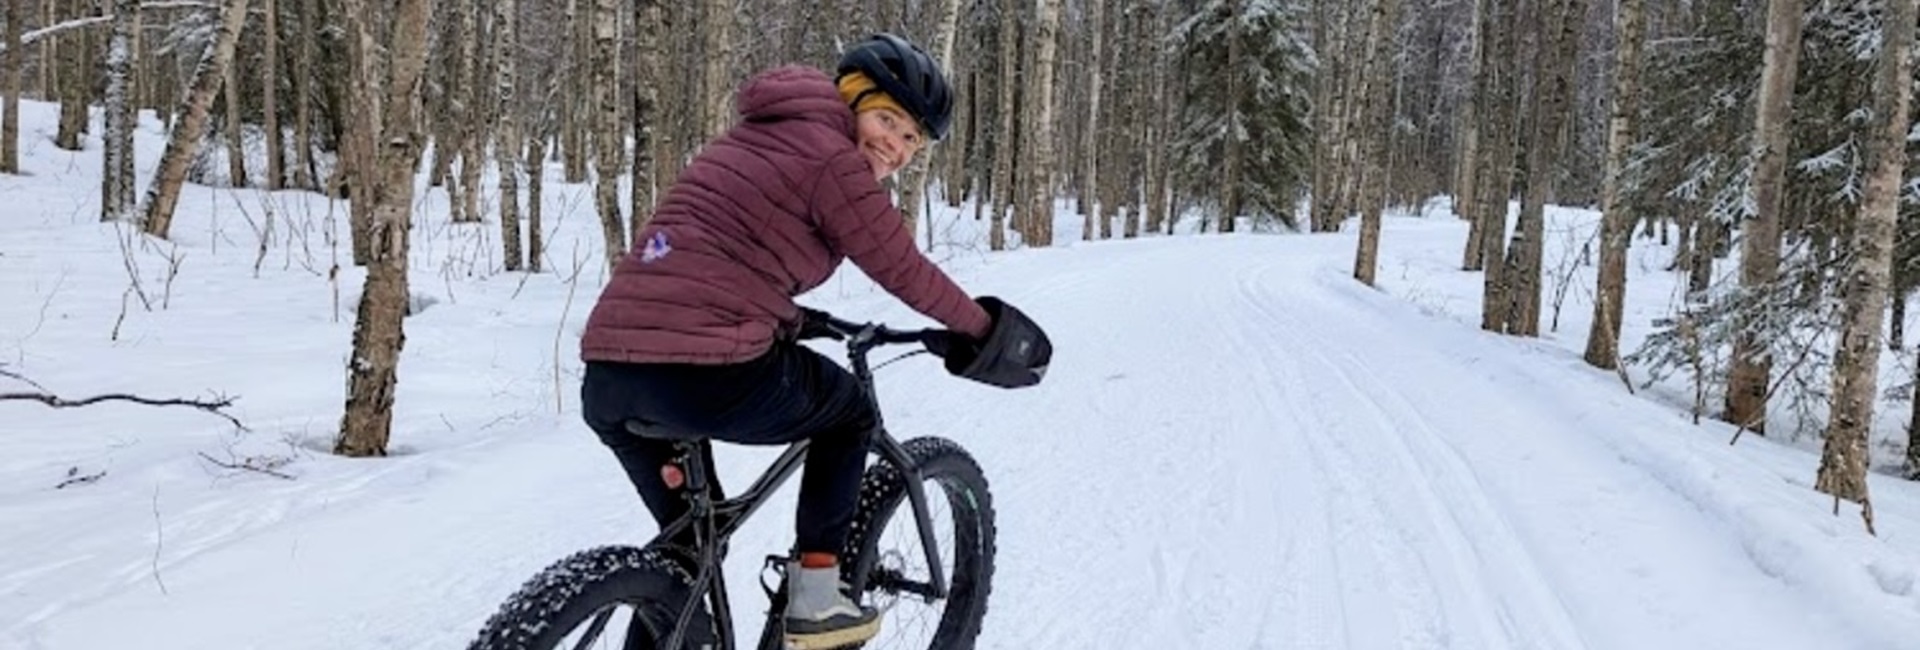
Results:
[778, 565]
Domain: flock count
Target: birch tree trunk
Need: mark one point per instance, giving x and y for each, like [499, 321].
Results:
[1089, 140]
[574, 116]
[164, 192]
[919, 171]
[369, 122]
[270, 97]
[236, 148]
[303, 171]
[1040, 132]
[1376, 111]
[378, 335]
[506, 138]
[1159, 117]
[607, 131]
[1843, 462]
[1333, 88]
[647, 71]
[467, 104]
[1603, 338]
[10, 66]
[1560, 37]
[536, 161]
[1003, 186]
[1498, 120]
[1752, 362]
[1466, 172]
[116, 178]
[718, 67]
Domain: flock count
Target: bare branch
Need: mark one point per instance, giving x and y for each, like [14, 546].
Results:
[14, 375]
[219, 402]
[74, 477]
[252, 464]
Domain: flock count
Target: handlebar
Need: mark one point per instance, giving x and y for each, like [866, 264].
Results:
[820, 324]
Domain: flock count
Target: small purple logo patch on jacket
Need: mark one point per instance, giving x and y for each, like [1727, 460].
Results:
[656, 248]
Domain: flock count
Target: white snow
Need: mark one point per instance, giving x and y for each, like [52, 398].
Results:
[1237, 446]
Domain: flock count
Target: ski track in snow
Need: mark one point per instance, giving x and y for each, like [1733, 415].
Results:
[1235, 448]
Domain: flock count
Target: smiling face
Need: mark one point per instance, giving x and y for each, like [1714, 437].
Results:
[888, 138]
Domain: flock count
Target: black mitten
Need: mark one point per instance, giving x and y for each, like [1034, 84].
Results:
[1014, 354]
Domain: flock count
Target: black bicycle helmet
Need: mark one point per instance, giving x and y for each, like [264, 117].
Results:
[906, 73]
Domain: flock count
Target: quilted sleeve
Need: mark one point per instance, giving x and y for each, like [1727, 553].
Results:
[859, 221]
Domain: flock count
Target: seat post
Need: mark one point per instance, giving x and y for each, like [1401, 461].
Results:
[694, 464]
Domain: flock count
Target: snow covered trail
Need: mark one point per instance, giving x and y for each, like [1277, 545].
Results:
[1237, 447]
[1279, 462]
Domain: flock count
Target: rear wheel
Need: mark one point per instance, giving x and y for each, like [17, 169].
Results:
[609, 597]
[890, 566]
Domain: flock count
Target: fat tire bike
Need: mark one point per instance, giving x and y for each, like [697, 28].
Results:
[672, 595]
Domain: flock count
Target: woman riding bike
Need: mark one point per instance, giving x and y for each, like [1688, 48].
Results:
[697, 329]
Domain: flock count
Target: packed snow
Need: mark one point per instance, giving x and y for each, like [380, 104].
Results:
[1237, 446]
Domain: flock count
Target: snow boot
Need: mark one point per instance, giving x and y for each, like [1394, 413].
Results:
[819, 615]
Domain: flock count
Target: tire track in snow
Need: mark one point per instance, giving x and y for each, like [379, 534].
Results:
[1437, 571]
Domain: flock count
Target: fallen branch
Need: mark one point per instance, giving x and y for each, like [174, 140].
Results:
[252, 464]
[56, 401]
[13, 375]
[74, 477]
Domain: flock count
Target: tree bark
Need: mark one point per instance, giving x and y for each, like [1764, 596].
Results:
[1559, 34]
[10, 66]
[469, 105]
[164, 192]
[919, 171]
[647, 71]
[606, 119]
[303, 171]
[536, 181]
[506, 139]
[718, 67]
[75, 75]
[1377, 112]
[270, 97]
[1003, 186]
[378, 335]
[574, 117]
[1235, 145]
[1752, 362]
[236, 146]
[116, 178]
[1603, 338]
[1040, 131]
[1160, 124]
[1498, 120]
[1843, 462]
[1089, 140]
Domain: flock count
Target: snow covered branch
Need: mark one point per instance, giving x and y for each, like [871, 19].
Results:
[28, 38]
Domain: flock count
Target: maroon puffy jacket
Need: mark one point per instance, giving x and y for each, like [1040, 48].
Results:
[764, 213]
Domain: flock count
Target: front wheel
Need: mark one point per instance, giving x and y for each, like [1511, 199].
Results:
[890, 566]
[608, 597]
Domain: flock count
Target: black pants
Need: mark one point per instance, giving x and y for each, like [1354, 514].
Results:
[787, 394]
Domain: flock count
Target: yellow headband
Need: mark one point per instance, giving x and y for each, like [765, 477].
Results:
[857, 86]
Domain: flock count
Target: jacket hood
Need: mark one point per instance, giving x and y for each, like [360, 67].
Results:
[793, 92]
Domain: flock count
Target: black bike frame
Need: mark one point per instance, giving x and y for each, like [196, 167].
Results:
[714, 523]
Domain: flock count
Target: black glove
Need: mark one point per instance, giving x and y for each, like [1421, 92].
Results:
[953, 346]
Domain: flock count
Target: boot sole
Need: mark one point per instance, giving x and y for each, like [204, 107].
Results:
[836, 638]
